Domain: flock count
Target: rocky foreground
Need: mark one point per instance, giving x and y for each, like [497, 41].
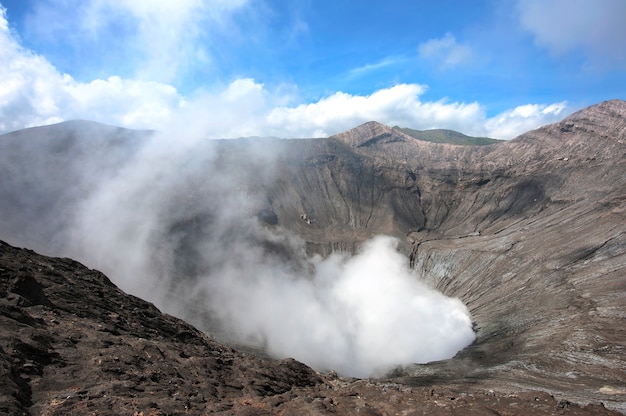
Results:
[72, 343]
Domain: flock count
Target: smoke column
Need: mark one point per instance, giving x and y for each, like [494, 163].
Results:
[177, 226]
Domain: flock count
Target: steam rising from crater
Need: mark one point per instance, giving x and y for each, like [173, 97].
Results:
[178, 226]
[360, 316]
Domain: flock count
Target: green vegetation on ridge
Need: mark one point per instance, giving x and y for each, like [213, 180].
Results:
[447, 136]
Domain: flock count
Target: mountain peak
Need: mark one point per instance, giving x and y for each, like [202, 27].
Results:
[370, 133]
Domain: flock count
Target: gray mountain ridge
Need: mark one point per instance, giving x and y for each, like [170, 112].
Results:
[447, 136]
[528, 233]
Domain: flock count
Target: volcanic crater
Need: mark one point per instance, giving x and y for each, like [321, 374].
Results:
[530, 234]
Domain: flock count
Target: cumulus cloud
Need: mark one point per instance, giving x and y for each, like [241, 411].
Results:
[401, 105]
[524, 118]
[445, 51]
[397, 105]
[562, 26]
[34, 92]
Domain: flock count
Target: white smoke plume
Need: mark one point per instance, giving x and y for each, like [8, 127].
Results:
[360, 316]
[177, 226]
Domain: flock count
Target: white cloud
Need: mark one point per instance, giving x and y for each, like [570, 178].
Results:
[364, 69]
[33, 92]
[127, 102]
[595, 27]
[166, 30]
[523, 118]
[446, 51]
[399, 104]
[160, 37]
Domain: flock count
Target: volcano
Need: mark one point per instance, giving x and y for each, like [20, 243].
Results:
[529, 234]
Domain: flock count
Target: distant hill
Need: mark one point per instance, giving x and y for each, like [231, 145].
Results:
[447, 136]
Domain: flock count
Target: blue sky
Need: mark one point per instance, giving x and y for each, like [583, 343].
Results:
[305, 68]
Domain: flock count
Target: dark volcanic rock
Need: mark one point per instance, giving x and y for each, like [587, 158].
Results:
[89, 348]
[93, 350]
